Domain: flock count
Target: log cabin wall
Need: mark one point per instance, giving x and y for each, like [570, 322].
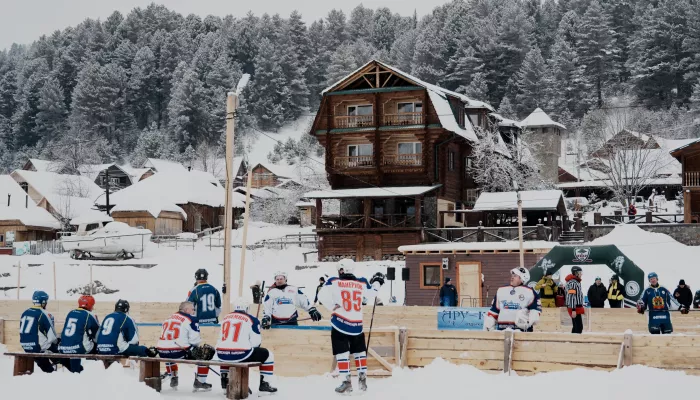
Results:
[364, 245]
[200, 217]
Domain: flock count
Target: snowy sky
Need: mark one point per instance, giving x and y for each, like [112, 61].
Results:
[25, 21]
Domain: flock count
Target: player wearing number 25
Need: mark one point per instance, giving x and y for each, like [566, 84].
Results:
[80, 332]
[118, 334]
[206, 299]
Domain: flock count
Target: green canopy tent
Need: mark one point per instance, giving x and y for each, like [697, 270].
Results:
[610, 255]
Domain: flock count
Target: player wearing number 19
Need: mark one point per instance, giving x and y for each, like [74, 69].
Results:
[79, 332]
[206, 299]
[36, 331]
[118, 334]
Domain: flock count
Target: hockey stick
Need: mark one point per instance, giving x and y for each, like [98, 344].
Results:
[371, 322]
[285, 323]
[262, 289]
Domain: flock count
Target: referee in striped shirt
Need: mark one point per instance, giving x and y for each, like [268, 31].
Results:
[574, 299]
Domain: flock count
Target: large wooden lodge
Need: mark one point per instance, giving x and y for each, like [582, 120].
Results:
[397, 153]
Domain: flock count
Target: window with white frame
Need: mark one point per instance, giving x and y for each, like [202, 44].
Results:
[355, 150]
[410, 153]
[360, 110]
[410, 107]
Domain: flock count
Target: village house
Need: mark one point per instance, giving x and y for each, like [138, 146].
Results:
[397, 152]
[544, 135]
[114, 176]
[20, 218]
[689, 157]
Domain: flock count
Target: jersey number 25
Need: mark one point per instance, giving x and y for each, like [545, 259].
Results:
[171, 330]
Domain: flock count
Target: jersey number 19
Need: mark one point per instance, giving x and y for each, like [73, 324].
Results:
[208, 302]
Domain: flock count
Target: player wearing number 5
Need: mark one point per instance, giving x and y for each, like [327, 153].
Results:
[118, 334]
[206, 299]
[79, 332]
[240, 341]
[282, 301]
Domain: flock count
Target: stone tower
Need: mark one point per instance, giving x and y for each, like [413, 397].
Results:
[544, 137]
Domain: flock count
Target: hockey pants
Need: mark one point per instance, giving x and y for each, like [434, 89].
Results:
[135, 350]
[259, 354]
[578, 324]
[171, 368]
[46, 364]
[660, 323]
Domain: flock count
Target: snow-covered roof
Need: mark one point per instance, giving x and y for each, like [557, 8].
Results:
[92, 171]
[447, 120]
[505, 122]
[531, 199]
[20, 208]
[205, 176]
[539, 118]
[135, 173]
[602, 183]
[91, 217]
[305, 204]
[376, 192]
[675, 145]
[462, 246]
[165, 166]
[45, 165]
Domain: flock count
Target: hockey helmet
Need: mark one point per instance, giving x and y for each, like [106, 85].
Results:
[86, 302]
[40, 298]
[347, 265]
[281, 273]
[523, 273]
[652, 275]
[240, 304]
[576, 269]
[201, 274]
[122, 305]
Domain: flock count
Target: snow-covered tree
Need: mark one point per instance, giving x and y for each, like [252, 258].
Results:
[188, 110]
[531, 81]
[51, 118]
[477, 88]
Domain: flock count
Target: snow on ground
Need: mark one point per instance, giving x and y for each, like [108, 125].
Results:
[438, 380]
[173, 275]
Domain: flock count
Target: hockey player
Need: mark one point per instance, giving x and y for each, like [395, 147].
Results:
[343, 297]
[79, 332]
[281, 302]
[179, 340]
[206, 299]
[240, 341]
[118, 334]
[516, 306]
[37, 333]
[658, 299]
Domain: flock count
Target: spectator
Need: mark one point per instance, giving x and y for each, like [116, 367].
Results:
[683, 294]
[616, 292]
[547, 289]
[321, 282]
[560, 300]
[448, 294]
[597, 294]
[696, 300]
[632, 210]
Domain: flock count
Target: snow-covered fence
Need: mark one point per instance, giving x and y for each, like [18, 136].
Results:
[43, 246]
[307, 240]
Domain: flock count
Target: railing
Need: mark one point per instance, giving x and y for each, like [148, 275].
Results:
[358, 221]
[299, 240]
[484, 234]
[354, 121]
[403, 159]
[414, 118]
[353, 162]
[692, 178]
[646, 218]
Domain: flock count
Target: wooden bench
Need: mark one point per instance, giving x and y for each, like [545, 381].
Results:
[24, 362]
[149, 372]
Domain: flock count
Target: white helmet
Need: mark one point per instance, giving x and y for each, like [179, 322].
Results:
[347, 265]
[281, 273]
[240, 304]
[523, 273]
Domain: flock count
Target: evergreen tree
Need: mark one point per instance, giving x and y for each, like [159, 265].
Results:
[477, 88]
[269, 90]
[315, 74]
[547, 22]
[531, 83]
[401, 54]
[336, 30]
[299, 39]
[596, 50]
[51, 118]
[464, 65]
[30, 81]
[383, 32]
[567, 77]
[188, 111]
[342, 63]
[361, 23]
[506, 109]
[142, 87]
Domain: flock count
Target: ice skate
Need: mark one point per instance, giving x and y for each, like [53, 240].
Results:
[265, 386]
[345, 387]
[363, 381]
[201, 386]
[174, 381]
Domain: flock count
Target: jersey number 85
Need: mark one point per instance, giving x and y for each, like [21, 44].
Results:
[351, 301]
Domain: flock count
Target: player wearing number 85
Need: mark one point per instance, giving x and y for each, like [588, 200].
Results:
[79, 332]
[118, 334]
[206, 299]
[240, 341]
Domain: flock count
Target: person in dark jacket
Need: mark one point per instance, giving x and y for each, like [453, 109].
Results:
[683, 294]
[696, 300]
[597, 294]
[616, 292]
[448, 294]
[321, 282]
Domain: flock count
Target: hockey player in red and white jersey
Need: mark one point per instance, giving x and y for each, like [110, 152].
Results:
[282, 301]
[240, 341]
[181, 339]
[343, 297]
[516, 306]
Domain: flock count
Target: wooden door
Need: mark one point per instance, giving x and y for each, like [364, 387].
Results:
[469, 284]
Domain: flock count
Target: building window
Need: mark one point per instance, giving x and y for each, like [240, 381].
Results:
[471, 196]
[404, 108]
[410, 153]
[450, 160]
[431, 276]
[410, 148]
[360, 110]
[355, 150]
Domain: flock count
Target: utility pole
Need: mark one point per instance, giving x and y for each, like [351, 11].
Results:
[520, 225]
[107, 189]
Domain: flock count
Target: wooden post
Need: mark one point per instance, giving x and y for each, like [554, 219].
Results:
[628, 349]
[419, 201]
[19, 272]
[2, 330]
[520, 232]
[367, 204]
[231, 104]
[597, 218]
[244, 241]
[237, 383]
[508, 341]
[687, 211]
[403, 341]
[319, 213]
[149, 372]
[23, 366]
[648, 216]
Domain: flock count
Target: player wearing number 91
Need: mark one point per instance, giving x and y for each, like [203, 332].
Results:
[118, 334]
[240, 341]
[79, 332]
[343, 296]
[206, 299]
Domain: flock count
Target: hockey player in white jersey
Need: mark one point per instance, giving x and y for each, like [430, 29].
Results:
[516, 306]
[181, 339]
[343, 297]
[282, 301]
[240, 341]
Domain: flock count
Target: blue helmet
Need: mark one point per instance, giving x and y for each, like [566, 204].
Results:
[40, 298]
[652, 275]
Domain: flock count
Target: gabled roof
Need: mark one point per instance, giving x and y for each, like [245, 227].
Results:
[45, 165]
[374, 192]
[165, 166]
[505, 122]
[539, 118]
[20, 208]
[678, 150]
[532, 200]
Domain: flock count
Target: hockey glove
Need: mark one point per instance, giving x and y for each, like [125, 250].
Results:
[684, 310]
[204, 352]
[489, 323]
[315, 315]
[522, 319]
[266, 322]
[378, 277]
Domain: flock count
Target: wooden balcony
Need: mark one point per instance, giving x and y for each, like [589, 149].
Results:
[354, 121]
[692, 179]
[353, 162]
[359, 221]
[403, 159]
[415, 118]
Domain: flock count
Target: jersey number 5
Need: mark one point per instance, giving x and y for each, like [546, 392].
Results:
[226, 330]
[353, 301]
[171, 330]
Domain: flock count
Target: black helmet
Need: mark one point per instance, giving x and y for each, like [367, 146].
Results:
[122, 305]
[576, 269]
[201, 274]
[615, 278]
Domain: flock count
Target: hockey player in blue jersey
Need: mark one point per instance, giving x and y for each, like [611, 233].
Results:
[118, 335]
[79, 332]
[37, 333]
[658, 300]
[206, 299]
[516, 306]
